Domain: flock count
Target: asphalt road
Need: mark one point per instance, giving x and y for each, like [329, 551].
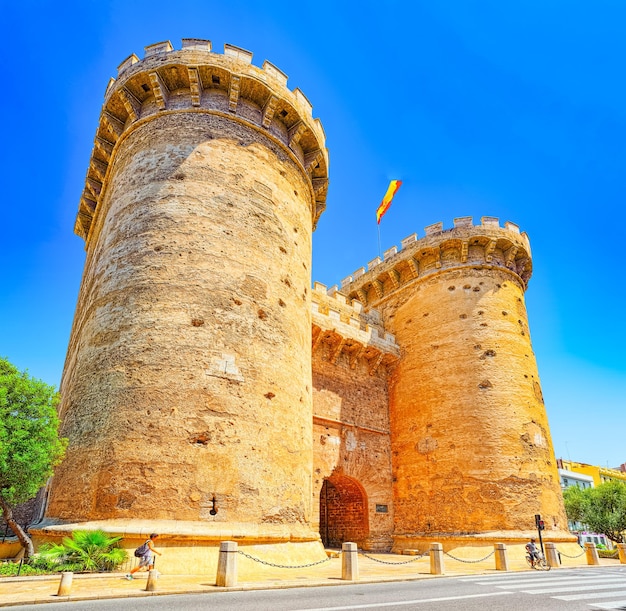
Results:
[566, 589]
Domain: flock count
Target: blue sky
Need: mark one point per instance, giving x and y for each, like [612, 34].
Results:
[483, 108]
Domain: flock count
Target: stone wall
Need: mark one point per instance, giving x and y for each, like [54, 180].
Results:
[209, 389]
[351, 445]
[186, 394]
[469, 433]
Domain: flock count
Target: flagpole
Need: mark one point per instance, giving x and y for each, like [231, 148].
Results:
[379, 254]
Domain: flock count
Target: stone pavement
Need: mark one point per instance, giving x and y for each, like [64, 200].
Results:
[255, 576]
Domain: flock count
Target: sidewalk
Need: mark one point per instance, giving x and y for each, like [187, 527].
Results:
[252, 576]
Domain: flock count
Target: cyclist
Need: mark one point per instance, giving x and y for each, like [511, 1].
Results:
[533, 552]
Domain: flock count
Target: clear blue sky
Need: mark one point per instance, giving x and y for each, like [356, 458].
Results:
[508, 109]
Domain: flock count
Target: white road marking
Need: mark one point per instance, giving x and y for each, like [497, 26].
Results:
[547, 581]
[605, 585]
[407, 602]
[617, 604]
[592, 595]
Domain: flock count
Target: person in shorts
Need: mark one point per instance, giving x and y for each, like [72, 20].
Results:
[147, 559]
[533, 551]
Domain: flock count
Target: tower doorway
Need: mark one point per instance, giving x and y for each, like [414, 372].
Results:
[343, 511]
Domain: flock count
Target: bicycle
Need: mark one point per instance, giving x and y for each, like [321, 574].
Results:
[540, 564]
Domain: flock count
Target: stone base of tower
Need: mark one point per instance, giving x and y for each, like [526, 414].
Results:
[421, 541]
[193, 548]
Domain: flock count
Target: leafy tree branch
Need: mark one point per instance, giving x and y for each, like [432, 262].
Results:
[30, 446]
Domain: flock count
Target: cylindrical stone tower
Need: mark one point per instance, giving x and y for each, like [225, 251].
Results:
[186, 394]
[471, 447]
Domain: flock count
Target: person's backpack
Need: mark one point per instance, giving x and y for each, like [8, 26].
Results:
[142, 550]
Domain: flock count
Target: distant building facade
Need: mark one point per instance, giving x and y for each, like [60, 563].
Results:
[598, 474]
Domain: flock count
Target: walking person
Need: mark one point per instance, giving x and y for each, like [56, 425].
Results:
[145, 553]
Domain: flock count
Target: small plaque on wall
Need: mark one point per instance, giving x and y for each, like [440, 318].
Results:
[381, 508]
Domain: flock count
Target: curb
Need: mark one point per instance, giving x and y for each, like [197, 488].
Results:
[210, 588]
[213, 589]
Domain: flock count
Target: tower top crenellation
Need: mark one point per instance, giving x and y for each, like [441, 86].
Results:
[343, 323]
[194, 79]
[465, 244]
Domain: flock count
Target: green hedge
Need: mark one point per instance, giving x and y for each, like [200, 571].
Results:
[608, 553]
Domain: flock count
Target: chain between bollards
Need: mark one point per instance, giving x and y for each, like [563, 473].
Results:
[470, 561]
[424, 555]
[282, 566]
[572, 557]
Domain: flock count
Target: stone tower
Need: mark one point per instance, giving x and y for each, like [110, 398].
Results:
[471, 447]
[187, 385]
[209, 394]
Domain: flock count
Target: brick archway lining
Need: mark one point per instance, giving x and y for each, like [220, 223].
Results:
[343, 511]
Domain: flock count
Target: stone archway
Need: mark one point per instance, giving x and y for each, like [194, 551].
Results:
[343, 511]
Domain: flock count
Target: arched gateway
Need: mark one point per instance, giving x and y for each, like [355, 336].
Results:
[343, 511]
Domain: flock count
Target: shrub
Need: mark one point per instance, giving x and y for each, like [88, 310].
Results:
[85, 550]
[608, 553]
[10, 569]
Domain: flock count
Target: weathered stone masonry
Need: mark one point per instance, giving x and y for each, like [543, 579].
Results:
[188, 371]
[209, 388]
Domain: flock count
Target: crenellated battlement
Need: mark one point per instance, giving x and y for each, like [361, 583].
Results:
[463, 245]
[342, 323]
[195, 79]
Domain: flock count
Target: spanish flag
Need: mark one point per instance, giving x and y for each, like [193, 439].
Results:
[394, 185]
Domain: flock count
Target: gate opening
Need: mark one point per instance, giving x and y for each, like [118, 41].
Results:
[343, 512]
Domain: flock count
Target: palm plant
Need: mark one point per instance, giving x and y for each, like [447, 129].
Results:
[85, 550]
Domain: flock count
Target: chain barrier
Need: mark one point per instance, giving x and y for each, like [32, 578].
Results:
[470, 561]
[568, 556]
[387, 562]
[282, 566]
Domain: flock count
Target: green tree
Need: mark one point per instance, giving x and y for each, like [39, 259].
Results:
[576, 502]
[602, 509]
[30, 446]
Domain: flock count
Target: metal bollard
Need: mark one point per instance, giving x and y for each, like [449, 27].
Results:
[227, 565]
[621, 550]
[552, 557]
[349, 562]
[502, 563]
[436, 559]
[153, 575]
[65, 585]
[592, 553]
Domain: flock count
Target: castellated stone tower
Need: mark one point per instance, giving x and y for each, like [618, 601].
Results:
[471, 447]
[187, 385]
[210, 394]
